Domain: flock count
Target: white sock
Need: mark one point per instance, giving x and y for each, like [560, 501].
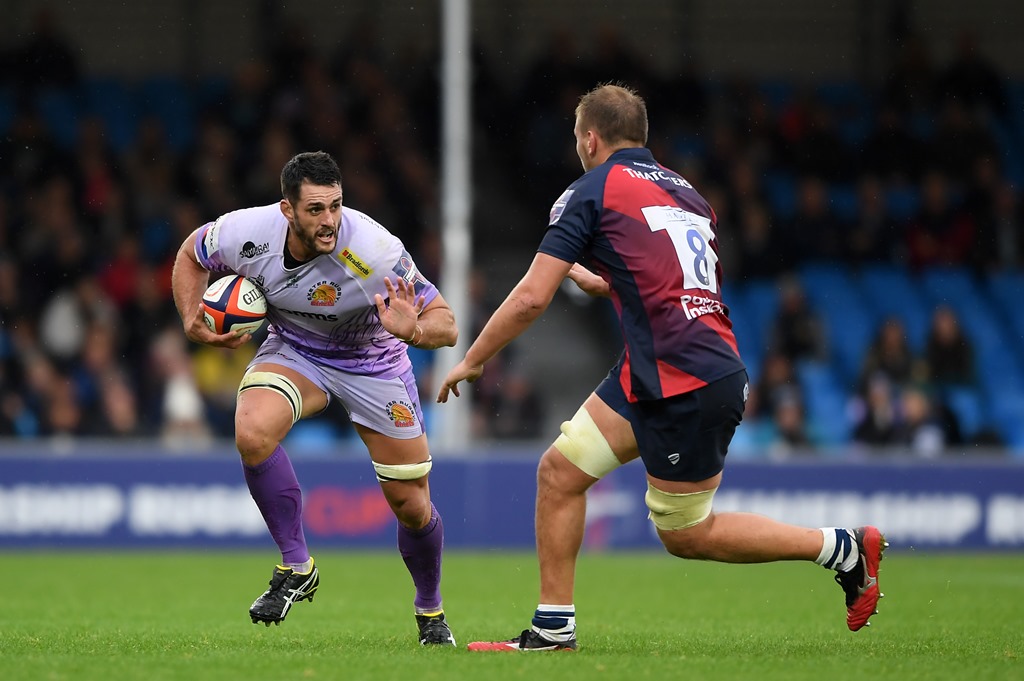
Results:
[555, 623]
[301, 568]
[838, 550]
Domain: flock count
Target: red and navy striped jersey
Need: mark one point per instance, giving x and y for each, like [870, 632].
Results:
[652, 237]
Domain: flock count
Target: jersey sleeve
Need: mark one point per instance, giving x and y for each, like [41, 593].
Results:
[572, 221]
[405, 268]
[211, 247]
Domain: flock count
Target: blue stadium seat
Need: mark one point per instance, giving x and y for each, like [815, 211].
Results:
[844, 201]
[762, 298]
[966, 404]
[889, 291]
[850, 328]
[1007, 290]
[1006, 414]
[749, 342]
[778, 93]
[169, 99]
[824, 403]
[902, 203]
[116, 106]
[7, 109]
[954, 286]
[314, 437]
[689, 145]
[958, 288]
[781, 191]
[842, 95]
[1008, 142]
[58, 107]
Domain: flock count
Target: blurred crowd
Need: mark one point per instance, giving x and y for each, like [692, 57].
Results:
[917, 170]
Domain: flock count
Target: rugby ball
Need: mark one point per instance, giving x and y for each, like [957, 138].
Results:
[233, 304]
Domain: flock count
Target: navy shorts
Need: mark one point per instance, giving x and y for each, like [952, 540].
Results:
[683, 438]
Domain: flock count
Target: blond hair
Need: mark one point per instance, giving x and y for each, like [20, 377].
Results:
[616, 113]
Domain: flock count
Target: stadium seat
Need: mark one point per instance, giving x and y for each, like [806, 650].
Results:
[7, 109]
[689, 145]
[889, 291]
[779, 94]
[958, 288]
[953, 286]
[1007, 292]
[966, 404]
[781, 191]
[902, 203]
[841, 95]
[844, 201]
[824, 403]
[832, 294]
[116, 106]
[749, 342]
[169, 99]
[314, 437]
[1007, 409]
[58, 107]
[762, 298]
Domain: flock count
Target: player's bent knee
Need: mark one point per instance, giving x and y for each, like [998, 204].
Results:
[268, 380]
[671, 512]
[405, 471]
[582, 443]
[254, 444]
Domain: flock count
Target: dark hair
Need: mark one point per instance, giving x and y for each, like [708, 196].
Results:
[616, 113]
[316, 167]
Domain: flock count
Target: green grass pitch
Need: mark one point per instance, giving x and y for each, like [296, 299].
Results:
[177, 615]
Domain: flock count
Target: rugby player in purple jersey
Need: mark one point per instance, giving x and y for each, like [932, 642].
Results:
[676, 395]
[344, 300]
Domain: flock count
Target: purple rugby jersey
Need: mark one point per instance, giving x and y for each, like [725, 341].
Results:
[324, 308]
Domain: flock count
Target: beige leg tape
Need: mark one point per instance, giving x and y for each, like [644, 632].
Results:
[404, 471]
[582, 443]
[677, 511]
[276, 382]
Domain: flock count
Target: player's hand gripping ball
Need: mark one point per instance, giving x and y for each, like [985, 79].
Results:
[233, 304]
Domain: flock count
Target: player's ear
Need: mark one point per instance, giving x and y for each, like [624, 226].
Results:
[288, 210]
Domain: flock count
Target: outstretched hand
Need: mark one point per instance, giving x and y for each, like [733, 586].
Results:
[460, 372]
[399, 313]
[198, 331]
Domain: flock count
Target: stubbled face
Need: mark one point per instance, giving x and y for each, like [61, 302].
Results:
[315, 218]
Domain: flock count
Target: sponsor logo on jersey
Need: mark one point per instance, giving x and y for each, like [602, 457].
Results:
[293, 281]
[305, 314]
[251, 250]
[355, 263]
[211, 241]
[401, 413]
[259, 281]
[696, 306]
[559, 206]
[657, 175]
[323, 294]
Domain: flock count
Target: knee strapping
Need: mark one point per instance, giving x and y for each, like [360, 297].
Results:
[582, 443]
[677, 511]
[404, 471]
[278, 383]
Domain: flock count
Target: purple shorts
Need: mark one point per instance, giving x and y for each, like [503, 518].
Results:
[390, 406]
